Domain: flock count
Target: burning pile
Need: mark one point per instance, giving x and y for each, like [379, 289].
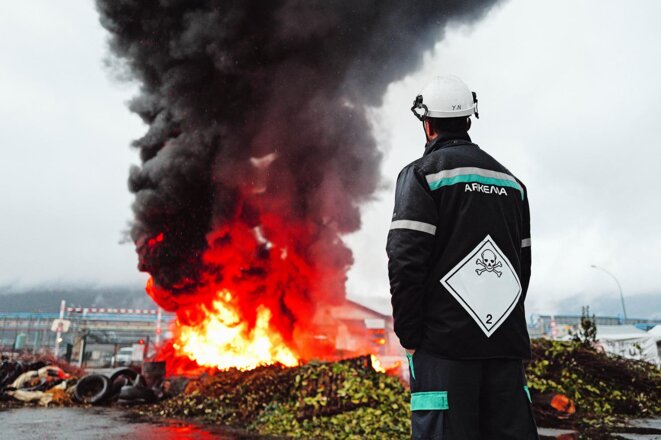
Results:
[345, 399]
[257, 158]
[350, 399]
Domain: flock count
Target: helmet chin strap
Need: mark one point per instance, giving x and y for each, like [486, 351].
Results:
[417, 103]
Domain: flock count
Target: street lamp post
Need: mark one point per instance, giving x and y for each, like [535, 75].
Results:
[624, 310]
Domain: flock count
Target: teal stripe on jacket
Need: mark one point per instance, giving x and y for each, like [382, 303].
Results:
[472, 174]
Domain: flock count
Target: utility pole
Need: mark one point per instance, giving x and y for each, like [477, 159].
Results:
[624, 310]
[159, 330]
[83, 344]
[58, 336]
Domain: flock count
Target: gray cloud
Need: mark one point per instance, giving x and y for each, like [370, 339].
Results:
[567, 102]
[568, 98]
[63, 169]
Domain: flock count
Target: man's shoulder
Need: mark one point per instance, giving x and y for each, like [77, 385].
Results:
[457, 160]
[443, 159]
[498, 166]
[431, 162]
[482, 159]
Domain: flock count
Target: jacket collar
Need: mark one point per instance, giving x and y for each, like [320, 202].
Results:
[446, 140]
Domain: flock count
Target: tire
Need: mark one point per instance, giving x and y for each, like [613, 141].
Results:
[92, 389]
[123, 372]
[120, 378]
[136, 394]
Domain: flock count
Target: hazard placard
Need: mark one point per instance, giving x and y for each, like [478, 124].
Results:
[485, 284]
[60, 325]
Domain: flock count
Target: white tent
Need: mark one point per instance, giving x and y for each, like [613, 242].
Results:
[629, 342]
[656, 332]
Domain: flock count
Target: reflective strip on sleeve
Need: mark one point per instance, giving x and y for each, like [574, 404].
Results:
[429, 401]
[414, 226]
[525, 242]
[409, 356]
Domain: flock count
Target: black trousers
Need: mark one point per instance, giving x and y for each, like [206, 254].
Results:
[469, 399]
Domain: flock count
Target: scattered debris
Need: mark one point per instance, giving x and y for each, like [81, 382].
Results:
[32, 380]
[47, 381]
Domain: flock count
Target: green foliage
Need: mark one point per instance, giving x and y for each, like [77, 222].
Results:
[341, 400]
[605, 388]
[376, 407]
[349, 400]
[587, 334]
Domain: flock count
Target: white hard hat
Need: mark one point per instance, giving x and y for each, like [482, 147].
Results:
[445, 97]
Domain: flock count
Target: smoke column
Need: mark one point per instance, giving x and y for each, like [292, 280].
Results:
[258, 153]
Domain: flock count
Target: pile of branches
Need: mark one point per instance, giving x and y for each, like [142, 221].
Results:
[349, 399]
[346, 399]
[606, 389]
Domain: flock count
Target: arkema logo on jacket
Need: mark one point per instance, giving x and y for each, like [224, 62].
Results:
[485, 284]
[475, 179]
[486, 189]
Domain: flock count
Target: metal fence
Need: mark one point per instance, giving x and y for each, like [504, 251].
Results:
[99, 335]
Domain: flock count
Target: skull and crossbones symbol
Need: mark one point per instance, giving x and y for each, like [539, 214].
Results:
[488, 263]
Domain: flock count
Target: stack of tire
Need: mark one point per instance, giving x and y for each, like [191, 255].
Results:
[124, 386]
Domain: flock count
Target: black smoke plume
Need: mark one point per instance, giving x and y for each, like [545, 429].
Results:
[257, 108]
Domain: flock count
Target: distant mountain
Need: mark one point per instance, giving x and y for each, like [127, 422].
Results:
[642, 305]
[47, 298]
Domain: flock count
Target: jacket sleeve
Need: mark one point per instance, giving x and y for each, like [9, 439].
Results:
[526, 253]
[409, 248]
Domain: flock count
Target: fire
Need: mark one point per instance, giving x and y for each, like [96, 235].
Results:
[376, 364]
[259, 301]
[223, 340]
[155, 240]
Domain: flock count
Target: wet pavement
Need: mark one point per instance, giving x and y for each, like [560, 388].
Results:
[648, 429]
[636, 429]
[101, 424]
[115, 424]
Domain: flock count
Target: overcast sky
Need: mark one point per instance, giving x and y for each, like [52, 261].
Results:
[569, 101]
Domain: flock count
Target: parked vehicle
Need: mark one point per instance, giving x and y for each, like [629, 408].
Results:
[123, 356]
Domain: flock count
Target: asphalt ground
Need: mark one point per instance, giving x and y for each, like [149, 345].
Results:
[101, 424]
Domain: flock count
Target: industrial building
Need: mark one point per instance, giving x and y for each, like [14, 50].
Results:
[91, 337]
[555, 326]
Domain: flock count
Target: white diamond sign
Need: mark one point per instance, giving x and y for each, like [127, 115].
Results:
[485, 284]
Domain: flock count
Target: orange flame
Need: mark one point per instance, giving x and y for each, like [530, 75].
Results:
[376, 364]
[222, 340]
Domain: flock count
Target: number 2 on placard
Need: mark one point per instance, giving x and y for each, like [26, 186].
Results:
[489, 318]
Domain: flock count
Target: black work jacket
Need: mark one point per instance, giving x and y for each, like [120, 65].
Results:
[459, 254]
